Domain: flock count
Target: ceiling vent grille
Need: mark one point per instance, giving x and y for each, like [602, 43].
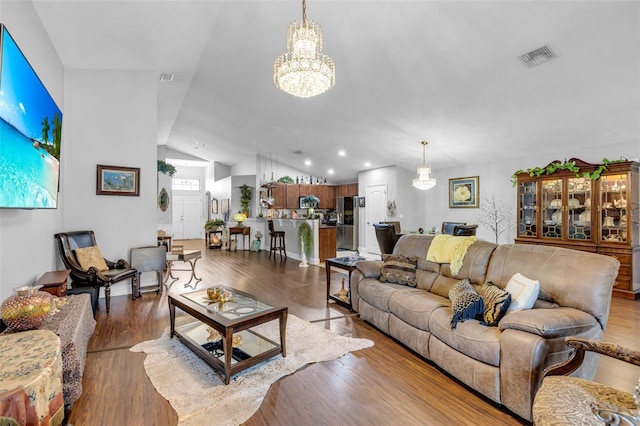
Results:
[166, 77]
[538, 56]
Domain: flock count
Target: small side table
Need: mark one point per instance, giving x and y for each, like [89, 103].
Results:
[209, 238]
[54, 282]
[187, 256]
[346, 263]
[240, 230]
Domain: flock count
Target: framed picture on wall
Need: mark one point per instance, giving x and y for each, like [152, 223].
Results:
[214, 206]
[116, 180]
[464, 192]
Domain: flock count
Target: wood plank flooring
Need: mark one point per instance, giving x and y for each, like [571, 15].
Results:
[383, 385]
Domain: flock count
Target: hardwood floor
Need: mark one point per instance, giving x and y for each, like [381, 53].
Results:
[383, 385]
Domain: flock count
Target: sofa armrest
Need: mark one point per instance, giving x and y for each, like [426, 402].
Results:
[549, 323]
[370, 268]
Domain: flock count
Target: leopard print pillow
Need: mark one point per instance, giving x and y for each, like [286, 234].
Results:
[466, 303]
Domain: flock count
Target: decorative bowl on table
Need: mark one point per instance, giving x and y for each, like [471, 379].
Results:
[27, 309]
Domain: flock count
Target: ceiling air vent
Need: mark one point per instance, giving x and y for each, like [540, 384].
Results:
[166, 77]
[538, 56]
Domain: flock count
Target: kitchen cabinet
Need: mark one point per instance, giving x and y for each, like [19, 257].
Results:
[327, 243]
[278, 192]
[572, 211]
[326, 194]
[347, 190]
[293, 196]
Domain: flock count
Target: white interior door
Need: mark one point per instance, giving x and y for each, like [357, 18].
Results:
[187, 217]
[376, 211]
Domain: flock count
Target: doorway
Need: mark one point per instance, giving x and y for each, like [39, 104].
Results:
[188, 221]
[376, 211]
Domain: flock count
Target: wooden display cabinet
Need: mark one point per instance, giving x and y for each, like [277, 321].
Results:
[599, 216]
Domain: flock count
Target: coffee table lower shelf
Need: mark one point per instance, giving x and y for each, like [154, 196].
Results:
[253, 350]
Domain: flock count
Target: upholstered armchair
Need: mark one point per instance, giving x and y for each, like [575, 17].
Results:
[565, 400]
[79, 252]
[386, 236]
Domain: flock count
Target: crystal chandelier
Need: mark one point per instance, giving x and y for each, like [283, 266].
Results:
[304, 71]
[423, 181]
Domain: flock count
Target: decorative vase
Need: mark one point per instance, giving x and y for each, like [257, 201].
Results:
[27, 309]
[303, 257]
[343, 292]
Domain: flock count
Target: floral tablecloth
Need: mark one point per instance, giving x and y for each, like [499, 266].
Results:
[31, 378]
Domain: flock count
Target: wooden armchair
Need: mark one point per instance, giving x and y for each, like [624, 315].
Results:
[573, 401]
[93, 276]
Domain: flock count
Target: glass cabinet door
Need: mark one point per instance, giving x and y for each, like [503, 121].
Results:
[527, 209]
[551, 205]
[613, 215]
[579, 208]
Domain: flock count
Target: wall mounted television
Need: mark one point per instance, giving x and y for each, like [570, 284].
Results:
[30, 133]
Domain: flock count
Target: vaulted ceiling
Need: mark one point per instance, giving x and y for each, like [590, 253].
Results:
[445, 71]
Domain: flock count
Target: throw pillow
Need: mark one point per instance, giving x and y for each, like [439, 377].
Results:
[466, 303]
[496, 302]
[91, 256]
[399, 269]
[524, 292]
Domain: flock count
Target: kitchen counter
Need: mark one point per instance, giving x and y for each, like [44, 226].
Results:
[290, 227]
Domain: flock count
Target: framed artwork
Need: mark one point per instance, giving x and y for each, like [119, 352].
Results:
[361, 202]
[116, 180]
[224, 208]
[464, 192]
[214, 206]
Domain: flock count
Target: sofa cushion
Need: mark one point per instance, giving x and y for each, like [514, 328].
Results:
[466, 303]
[399, 269]
[377, 294]
[470, 337]
[524, 292]
[496, 303]
[415, 306]
[91, 256]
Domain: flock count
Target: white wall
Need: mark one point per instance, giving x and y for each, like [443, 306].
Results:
[110, 118]
[26, 236]
[496, 177]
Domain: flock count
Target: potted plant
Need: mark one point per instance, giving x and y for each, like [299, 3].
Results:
[245, 198]
[166, 168]
[305, 242]
[213, 224]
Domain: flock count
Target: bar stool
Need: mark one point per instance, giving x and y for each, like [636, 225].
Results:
[277, 241]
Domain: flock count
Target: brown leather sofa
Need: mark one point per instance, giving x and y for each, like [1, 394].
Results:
[504, 363]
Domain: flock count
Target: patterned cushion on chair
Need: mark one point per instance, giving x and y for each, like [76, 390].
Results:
[91, 256]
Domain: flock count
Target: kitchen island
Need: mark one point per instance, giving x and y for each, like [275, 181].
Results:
[324, 237]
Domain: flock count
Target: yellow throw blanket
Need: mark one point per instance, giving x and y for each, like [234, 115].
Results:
[450, 249]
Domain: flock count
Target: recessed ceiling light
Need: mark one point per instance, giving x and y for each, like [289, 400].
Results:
[307, 162]
[367, 164]
[330, 171]
[342, 153]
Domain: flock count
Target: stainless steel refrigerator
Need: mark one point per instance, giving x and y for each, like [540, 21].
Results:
[347, 215]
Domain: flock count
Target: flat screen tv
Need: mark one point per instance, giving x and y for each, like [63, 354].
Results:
[30, 133]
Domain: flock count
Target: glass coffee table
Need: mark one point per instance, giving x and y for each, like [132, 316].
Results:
[221, 334]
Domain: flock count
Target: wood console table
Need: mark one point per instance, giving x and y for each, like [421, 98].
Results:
[240, 230]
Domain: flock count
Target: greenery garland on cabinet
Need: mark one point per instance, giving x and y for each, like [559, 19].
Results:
[566, 165]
